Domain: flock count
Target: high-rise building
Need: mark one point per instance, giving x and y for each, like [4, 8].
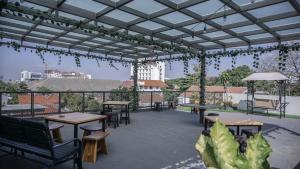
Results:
[30, 76]
[151, 71]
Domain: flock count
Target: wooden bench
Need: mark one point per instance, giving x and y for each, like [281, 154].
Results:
[266, 104]
[93, 144]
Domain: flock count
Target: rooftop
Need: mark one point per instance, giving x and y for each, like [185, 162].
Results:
[64, 84]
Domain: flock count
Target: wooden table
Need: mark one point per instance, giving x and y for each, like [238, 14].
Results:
[76, 119]
[200, 108]
[233, 122]
[119, 103]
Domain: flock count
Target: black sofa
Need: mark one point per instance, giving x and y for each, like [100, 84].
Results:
[28, 136]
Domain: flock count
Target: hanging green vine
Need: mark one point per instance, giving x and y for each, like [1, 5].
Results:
[188, 53]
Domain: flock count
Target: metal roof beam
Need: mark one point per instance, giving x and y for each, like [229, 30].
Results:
[295, 5]
[250, 17]
[41, 20]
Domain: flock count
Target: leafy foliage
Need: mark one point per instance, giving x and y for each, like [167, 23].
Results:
[220, 150]
[13, 87]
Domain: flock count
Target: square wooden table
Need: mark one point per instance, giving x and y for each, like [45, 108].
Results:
[75, 119]
[233, 122]
[119, 103]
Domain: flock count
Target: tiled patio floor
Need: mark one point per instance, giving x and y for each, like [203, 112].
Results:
[156, 140]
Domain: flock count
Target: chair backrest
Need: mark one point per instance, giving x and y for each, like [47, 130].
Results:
[11, 128]
[37, 134]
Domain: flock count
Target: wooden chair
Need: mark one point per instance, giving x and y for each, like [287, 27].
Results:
[93, 144]
[158, 106]
[112, 116]
[55, 129]
[247, 132]
[124, 114]
[88, 129]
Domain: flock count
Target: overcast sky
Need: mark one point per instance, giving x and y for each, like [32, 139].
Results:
[12, 63]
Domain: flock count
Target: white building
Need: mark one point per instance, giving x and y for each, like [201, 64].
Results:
[30, 76]
[152, 71]
[71, 75]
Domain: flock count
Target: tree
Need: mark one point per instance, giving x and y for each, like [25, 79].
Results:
[270, 64]
[43, 89]
[234, 76]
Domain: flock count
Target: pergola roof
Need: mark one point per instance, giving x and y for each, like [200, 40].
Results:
[199, 24]
[265, 76]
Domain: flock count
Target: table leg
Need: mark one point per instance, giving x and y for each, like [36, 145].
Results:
[103, 124]
[201, 115]
[128, 113]
[75, 132]
[237, 130]
[258, 128]
[205, 124]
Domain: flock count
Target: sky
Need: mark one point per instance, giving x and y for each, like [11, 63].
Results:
[12, 63]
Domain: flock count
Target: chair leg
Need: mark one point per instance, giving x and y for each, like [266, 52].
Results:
[90, 151]
[79, 161]
[103, 147]
[57, 135]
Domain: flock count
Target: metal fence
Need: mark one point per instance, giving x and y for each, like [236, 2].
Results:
[36, 104]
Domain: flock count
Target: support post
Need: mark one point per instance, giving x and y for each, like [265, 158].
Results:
[280, 96]
[202, 87]
[202, 78]
[0, 103]
[31, 104]
[59, 102]
[135, 86]
[252, 92]
[151, 100]
[284, 97]
[83, 102]
[248, 92]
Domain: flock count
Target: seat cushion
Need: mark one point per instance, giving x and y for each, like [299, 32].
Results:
[96, 136]
[65, 151]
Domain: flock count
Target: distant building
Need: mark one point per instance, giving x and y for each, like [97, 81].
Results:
[64, 84]
[213, 94]
[30, 76]
[72, 75]
[151, 71]
[146, 85]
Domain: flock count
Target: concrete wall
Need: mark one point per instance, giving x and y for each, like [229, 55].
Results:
[293, 108]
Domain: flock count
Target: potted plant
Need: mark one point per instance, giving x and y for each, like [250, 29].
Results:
[220, 150]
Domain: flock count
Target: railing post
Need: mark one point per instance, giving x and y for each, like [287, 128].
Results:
[103, 99]
[1, 103]
[151, 99]
[32, 103]
[59, 102]
[184, 97]
[83, 102]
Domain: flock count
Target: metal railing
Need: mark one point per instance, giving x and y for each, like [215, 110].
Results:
[36, 103]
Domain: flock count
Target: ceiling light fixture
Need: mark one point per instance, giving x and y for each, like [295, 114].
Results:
[224, 16]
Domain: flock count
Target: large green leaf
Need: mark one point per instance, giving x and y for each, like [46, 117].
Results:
[257, 152]
[204, 146]
[226, 148]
